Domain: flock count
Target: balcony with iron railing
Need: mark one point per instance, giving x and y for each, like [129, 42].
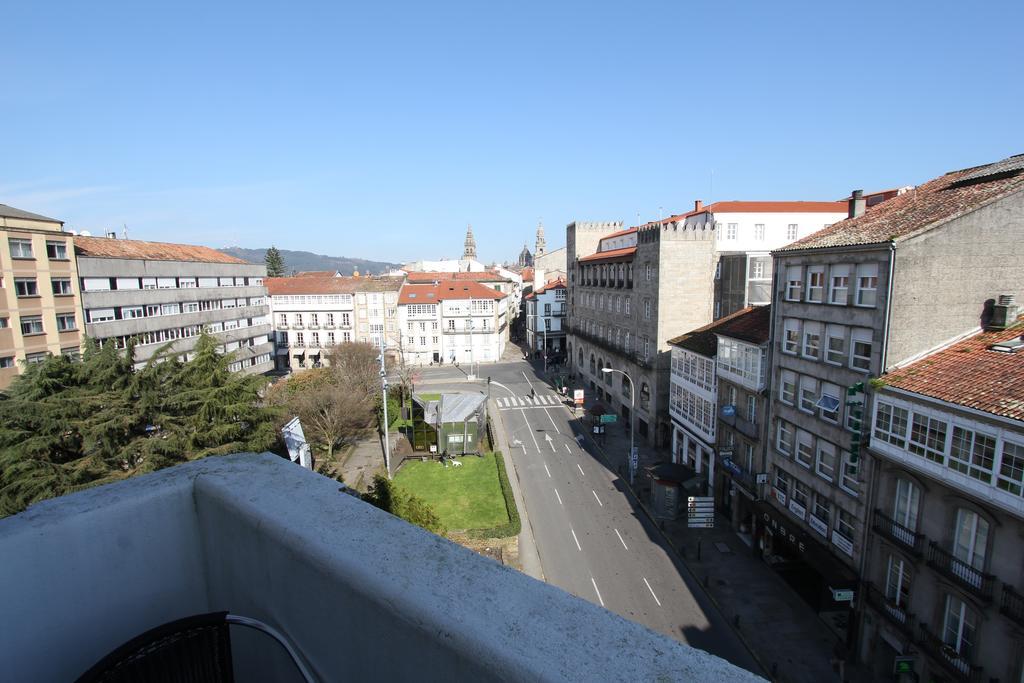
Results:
[896, 614]
[894, 531]
[1011, 604]
[341, 581]
[955, 663]
[974, 580]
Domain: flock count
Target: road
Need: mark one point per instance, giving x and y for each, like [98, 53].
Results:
[591, 539]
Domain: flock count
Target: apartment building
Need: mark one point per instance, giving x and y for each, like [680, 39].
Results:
[155, 293]
[498, 279]
[851, 302]
[546, 309]
[311, 314]
[39, 304]
[943, 583]
[452, 321]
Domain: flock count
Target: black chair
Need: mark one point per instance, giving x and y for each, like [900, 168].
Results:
[195, 649]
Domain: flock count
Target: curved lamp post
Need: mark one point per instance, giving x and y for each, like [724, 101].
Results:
[632, 413]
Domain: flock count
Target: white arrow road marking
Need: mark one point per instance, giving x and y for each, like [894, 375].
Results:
[652, 592]
[558, 497]
[551, 443]
[598, 499]
[599, 599]
[576, 539]
[620, 539]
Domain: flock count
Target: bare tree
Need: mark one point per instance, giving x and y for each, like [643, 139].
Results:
[331, 413]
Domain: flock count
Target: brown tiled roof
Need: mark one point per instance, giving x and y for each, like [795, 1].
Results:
[970, 374]
[763, 207]
[753, 325]
[280, 286]
[625, 252]
[427, 276]
[527, 275]
[317, 273]
[105, 247]
[446, 290]
[923, 208]
[703, 340]
[553, 284]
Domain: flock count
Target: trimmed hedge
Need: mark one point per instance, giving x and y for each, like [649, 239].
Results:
[514, 524]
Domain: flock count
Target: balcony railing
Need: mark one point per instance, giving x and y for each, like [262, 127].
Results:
[313, 326]
[749, 429]
[896, 614]
[895, 531]
[282, 326]
[955, 663]
[298, 326]
[1012, 604]
[298, 345]
[974, 580]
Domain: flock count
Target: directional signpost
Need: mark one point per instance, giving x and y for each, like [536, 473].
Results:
[609, 418]
[700, 512]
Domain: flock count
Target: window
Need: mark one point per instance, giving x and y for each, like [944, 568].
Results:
[298, 319]
[791, 344]
[969, 544]
[891, 424]
[847, 475]
[867, 284]
[56, 251]
[186, 282]
[904, 508]
[647, 309]
[1011, 468]
[20, 248]
[752, 409]
[645, 395]
[846, 524]
[314, 319]
[6, 362]
[4, 323]
[973, 454]
[26, 287]
[801, 495]
[759, 231]
[839, 285]
[787, 387]
[897, 582]
[835, 344]
[794, 283]
[757, 267]
[791, 231]
[808, 394]
[170, 309]
[826, 461]
[61, 286]
[959, 626]
[730, 231]
[822, 509]
[784, 441]
[627, 305]
[99, 315]
[31, 324]
[928, 438]
[816, 283]
[330, 320]
[804, 448]
[812, 340]
[781, 481]
[65, 322]
[282, 318]
[860, 349]
[33, 358]
[829, 402]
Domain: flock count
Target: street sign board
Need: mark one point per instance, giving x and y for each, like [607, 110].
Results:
[762, 478]
[903, 665]
[609, 418]
[700, 523]
[577, 394]
[700, 512]
[634, 457]
[845, 595]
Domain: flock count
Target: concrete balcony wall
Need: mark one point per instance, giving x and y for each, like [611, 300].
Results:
[116, 267]
[132, 326]
[362, 595]
[143, 297]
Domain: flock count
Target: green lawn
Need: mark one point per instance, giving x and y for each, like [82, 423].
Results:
[467, 497]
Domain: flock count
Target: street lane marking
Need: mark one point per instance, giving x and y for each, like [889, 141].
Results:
[551, 443]
[598, 499]
[552, 422]
[581, 471]
[560, 502]
[652, 592]
[599, 598]
[567, 448]
[620, 539]
[576, 539]
[547, 470]
[528, 380]
[532, 435]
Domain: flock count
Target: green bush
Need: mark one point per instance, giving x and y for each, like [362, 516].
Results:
[514, 524]
[413, 509]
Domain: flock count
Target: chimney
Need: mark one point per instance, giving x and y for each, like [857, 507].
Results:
[856, 205]
[698, 205]
[111, 235]
[1004, 313]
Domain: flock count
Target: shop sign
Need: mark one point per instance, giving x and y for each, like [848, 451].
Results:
[779, 529]
[797, 509]
[903, 665]
[818, 525]
[728, 411]
[731, 466]
[762, 478]
[577, 396]
[779, 496]
[844, 595]
[842, 542]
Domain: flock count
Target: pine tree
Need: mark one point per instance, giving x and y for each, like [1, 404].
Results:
[275, 263]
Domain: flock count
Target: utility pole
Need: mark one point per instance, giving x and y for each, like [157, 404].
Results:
[384, 398]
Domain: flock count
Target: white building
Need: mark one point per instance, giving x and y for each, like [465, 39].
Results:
[452, 321]
[545, 318]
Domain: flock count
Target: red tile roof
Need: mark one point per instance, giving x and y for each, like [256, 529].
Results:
[763, 207]
[527, 276]
[281, 286]
[753, 326]
[446, 290]
[427, 276]
[317, 273]
[558, 283]
[918, 210]
[703, 340]
[624, 253]
[105, 247]
[970, 374]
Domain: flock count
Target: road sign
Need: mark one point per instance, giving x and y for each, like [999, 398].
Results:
[609, 418]
[903, 665]
[700, 512]
[845, 595]
[700, 523]
[577, 394]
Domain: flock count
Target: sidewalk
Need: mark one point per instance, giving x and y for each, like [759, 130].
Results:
[784, 634]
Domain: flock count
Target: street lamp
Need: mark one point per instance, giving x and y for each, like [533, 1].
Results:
[632, 412]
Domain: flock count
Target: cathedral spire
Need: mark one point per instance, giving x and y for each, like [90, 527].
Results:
[469, 251]
[541, 246]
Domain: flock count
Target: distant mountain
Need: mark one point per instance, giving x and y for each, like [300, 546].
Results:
[305, 260]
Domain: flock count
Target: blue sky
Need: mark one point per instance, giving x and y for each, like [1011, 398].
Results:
[380, 130]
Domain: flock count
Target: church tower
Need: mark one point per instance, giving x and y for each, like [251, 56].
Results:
[541, 247]
[469, 251]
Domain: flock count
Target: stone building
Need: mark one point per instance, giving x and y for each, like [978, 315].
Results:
[155, 292]
[850, 303]
[39, 292]
[545, 319]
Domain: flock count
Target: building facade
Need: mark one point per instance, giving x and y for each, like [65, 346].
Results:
[546, 310]
[39, 292]
[452, 321]
[155, 293]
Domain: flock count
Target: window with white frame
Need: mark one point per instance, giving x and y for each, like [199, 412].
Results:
[787, 387]
[791, 329]
[897, 583]
[782, 481]
[808, 394]
[804, 448]
[752, 409]
[816, 284]
[282, 318]
[812, 339]
[826, 460]
[25, 287]
[828, 402]
[860, 349]
[66, 322]
[61, 286]
[731, 230]
[891, 424]
[784, 438]
[905, 506]
[970, 543]
[33, 324]
[839, 285]
[847, 478]
[928, 438]
[627, 306]
[791, 231]
[759, 231]
[647, 309]
[867, 285]
[846, 524]
[648, 271]
[20, 248]
[835, 344]
[801, 495]
[794, 283]
[959, 630]
[1011, 468]
[972, 453]
[822, 509]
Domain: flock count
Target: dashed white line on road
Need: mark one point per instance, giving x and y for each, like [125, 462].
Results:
[599, 598]
[558, 497]
[576, 539]
[552, 422]
[528, 380]
[652, 592]
[567, 448]
[581, 471]
[547, 470]
[532, 435]
[620, 538]
[598, 499]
